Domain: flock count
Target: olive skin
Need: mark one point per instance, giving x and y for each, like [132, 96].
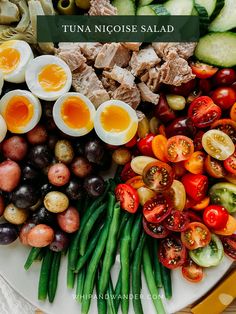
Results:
[43, 216]
[46, 188]
[60, 241]
[94, 185]
[29, 173]
[25, 196]
[40, 156]
[74, 190]
[94, 151]
[8, 233]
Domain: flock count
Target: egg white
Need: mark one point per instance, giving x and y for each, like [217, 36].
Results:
[3, 129]
[26, 55]
[115, 138]
[57, 116]
[1, 82]
[37, 109]
[33, 70]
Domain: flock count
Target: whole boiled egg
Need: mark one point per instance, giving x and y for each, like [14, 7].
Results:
[21, 110]
[14, 58]
[1, 82]
[74, 114]
[115, 122]
[48, 77]
[3, 129]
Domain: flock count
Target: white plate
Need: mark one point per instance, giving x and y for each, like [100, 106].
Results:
[12, 258]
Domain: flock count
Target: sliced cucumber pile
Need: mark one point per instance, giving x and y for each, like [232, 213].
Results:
[142, 3]
[179, 7]
[209, 5]
[226, 19]
[125, 7]
[146, 10]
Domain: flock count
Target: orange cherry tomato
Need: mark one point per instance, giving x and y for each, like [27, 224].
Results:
[159, 146]
[162, 130]
[202, 204]
[233, 112]
[136, 182]
[195, 164]
[230, 227]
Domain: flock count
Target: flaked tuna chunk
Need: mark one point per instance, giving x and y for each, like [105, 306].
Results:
[129, 95]
[67, 46]
[152, 78]
[72, 57]
[147, 94]
[183, 50]
[143, 60]
[101, 7]
[85, 81]
[109, 84]
[121, 76]
[132, 46]
[90, 50]
[111, 54]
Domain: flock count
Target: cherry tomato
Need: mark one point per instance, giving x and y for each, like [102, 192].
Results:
[177, 195]
[204, 86]
[234, 86]
[202, 70]
[227, 126]
[155, 230]
[231, 178]
[202, 204]
[195, 94]
[230, 163]
[189, 202]
[136, 182]
[196, 235]
[195, 164]
[179, 169]
[176, 221]
[172, 252]
[233, 112]
[225, 77]
[179, 148]
[224, 97]
[181, 126]
[203, 112]
[157, 209]
[145, 194]
[159, 147]
[158, 176]
[214, 167]
[127, 173]
[195, 185]
[215, 216]
[197, 142]
[230, 227]
[145, 145]
[132, 142]
[193, 216]
[229, 244]
[184, 89]
[163, 111]
[191, 271]
[128, 197]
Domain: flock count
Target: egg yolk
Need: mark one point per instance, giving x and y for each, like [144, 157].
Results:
[115, 119]
[52, 78]
[75, 113]
[9, 59]
[18, 113]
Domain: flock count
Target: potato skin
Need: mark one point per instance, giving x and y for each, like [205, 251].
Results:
[64, 151]
[10, 174]
[69, 220]
[38, 135]
[59, 174]
[15, 215]
[40, 236]
[56, 202]
[24, 231]
[15, 148]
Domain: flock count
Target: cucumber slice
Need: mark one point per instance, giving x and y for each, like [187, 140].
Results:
[226, 20]
[146, 10]
[159, 9]
[124, 7]
[142, 3]
[217, 49]
[209, 5]
[194, 12]
[179, 7]
[203, 18]
[219, 6]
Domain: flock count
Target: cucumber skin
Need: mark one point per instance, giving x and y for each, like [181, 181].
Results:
[225, 21]
[210, 58]
[143, 9]
[125, 7]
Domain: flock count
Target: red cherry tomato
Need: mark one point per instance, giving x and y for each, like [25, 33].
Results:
[202, 70]
[193, 216]
[196, 235]
[155, 230]
[225, 77]
[214, 167]
[179, 148]
[227, 126]
[224, 97]
[184, 89]
[176, 221]
[230, 163]
[215, 216]
[128, 197]
[203, 112]
[181, 126]
[205, 86]
[195, 185]
[132, 142]
[163, 111]
[127, 173]
[145, 145]
[229, 244]
[179, 169]
[157, 208]
[191, 271]
[197, 141]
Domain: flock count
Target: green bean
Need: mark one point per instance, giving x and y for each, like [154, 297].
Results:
[34, 253]
[41, 255]
[124, 219]
[136, 233]
[80, 285]
[44, 275]
[136, 275]
[70, 277]
[125, 265]
[53, 278]
[101, 301]
[68, 8]
[157, 264]
[166, 279]
[148, 272]
[88, 227]
[110, 250]
[110, 299]
[117, 179]
[118, 292]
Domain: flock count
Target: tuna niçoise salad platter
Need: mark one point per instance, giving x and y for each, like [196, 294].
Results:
[118, 161]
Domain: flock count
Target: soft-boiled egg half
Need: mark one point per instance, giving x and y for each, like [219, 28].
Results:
[48, 77]
[21, 110]
[14, 58]
[1, 82]
[115, 122]
[74, 114]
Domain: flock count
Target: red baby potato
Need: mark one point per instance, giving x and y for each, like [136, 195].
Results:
[59, 174]
[69, 220]
[38, 135]
[40, 236]
[10, 174]
[2, 205]
[15, 148]
[24, 231]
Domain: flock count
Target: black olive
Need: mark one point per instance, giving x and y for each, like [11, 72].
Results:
[25, 196]
[40, 156]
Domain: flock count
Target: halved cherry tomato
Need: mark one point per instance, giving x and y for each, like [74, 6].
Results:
[157, 209]
[205, 86]
[132, 142]
[157, 231]
[231, 178]
[189, 202]
[163, 111]
[145, 145]
[145, 194]
[203, 112]
[184, 89]
[196, 235]
[179, 169]
[202, 70]
[227, 126]
[195, 185]
[128, 197]
[162, 130]
[233, 112]
[172, 252]
[136, 182]
[225, 77]
[215, 216]
[127, 172]
[197, 141]
[179, 148]
[158, 176]
[177, 195]
[181, 126]
[195, 164]
[214, 167]
[176, 221]
[202, 204]
[229, 244]
[191, 271]
[230, 163]
[230, 227]
[159, 147]
[224, 97]
[193, 216]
